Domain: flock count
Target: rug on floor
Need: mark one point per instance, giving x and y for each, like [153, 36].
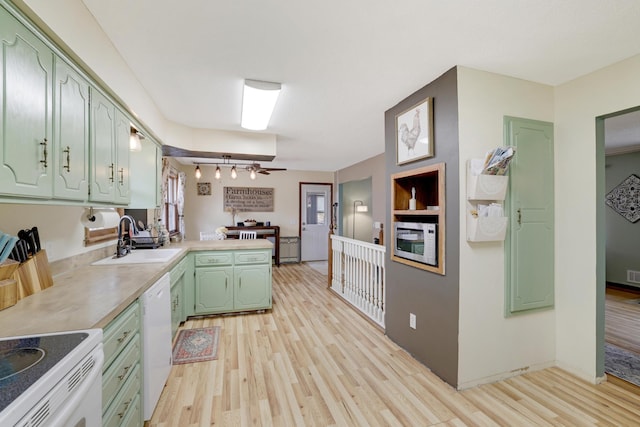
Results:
[196, 345]
[622, 363]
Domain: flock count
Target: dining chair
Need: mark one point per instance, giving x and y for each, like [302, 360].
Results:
[248, 235]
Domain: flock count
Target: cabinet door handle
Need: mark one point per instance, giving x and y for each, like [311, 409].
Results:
[124, 373]
[124, 335]
[519, 216]
[68, 153]
[121, 172]
[111, 167]
[45, 154]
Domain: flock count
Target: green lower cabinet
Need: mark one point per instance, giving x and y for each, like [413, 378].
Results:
[242, 283]
[122, 369]
[214, 290]
[178, 277]
[252, 287]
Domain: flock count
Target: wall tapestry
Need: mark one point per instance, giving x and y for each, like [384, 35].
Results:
[625, 198]
[248, 199]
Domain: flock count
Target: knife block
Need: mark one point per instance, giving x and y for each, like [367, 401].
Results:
[7, 267]
[33, 275]
[8, 293]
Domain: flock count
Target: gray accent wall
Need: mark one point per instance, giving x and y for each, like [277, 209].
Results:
[433, 298]
[622, 236]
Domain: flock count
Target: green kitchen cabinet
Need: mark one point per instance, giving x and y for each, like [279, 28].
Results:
[146, 176]
[122, 368]
[177, 275]
[231, 281]
[252, 287]
[71, 138]
[214, 290]
[109, 140]
[26, 96]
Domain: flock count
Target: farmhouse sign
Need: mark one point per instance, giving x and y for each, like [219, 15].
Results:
[248, 199]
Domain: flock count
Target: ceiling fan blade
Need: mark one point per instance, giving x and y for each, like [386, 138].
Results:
[274, 169]
[264, 172]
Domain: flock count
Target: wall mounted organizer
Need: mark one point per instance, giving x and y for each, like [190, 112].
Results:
[484, 190]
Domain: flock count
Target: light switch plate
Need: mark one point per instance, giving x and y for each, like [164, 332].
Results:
[412, 320]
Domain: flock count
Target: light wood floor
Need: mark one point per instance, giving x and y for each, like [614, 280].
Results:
[312, 361]
[622, 318]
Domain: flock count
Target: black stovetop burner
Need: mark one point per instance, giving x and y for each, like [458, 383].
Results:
[24, 360]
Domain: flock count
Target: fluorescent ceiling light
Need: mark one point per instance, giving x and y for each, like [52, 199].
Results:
[258, 100]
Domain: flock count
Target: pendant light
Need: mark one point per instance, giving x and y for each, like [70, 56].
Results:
[217, 175]
[252, 175]
[234, 173]
[198, 172]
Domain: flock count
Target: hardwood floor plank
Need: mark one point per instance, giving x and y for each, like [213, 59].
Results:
[313, 361]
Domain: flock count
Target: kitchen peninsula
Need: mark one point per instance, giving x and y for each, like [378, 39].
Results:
[92, 296]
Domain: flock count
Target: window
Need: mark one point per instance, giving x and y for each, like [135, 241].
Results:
[315, 209]
[172, 219]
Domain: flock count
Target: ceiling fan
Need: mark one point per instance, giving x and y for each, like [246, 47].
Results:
[259, 169]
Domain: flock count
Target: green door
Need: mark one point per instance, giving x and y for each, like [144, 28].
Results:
[530, 241]
[214, 290]
[71, 142]
[26, 76]
[252, 287]
[103, 156]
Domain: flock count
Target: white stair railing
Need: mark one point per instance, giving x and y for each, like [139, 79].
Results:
[358, 275]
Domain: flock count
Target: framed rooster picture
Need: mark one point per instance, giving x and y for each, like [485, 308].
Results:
[414, 132]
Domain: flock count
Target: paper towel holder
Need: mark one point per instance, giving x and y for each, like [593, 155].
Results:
[91, 216]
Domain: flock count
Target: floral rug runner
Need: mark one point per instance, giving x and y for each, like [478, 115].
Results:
[196, 345]
[622, 363]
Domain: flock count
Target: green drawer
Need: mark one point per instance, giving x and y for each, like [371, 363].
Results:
[119, 332]
[134, 414]
[252, 257]
[124, 402]
[214, 258]
[178, 270]
[119, 371]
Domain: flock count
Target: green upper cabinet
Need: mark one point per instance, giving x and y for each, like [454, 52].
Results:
[71, 139]
[103, 155]
[109, 140]
[26, 76]
[146, 168]
[122, 133]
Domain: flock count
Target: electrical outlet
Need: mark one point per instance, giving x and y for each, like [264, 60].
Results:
[412, 320]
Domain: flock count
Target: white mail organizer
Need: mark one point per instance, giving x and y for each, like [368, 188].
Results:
[485, 187]
[486, 229]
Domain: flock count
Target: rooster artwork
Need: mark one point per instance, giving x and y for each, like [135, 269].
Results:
[410, 137]
[414, 138]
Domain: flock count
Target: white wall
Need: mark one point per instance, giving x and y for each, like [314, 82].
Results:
[492, 346]
[206, 212]
[578, 103]
[61, 233]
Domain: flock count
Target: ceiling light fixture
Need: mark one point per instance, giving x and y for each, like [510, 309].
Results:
[258, 100]
[217, 175]
[134, 140]
[234, 173]
[198, 172]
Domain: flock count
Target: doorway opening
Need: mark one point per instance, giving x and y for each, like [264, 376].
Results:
[618, 136]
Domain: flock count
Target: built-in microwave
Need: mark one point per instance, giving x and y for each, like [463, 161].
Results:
[416, 241]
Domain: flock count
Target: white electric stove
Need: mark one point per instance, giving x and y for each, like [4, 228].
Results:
[51, 379]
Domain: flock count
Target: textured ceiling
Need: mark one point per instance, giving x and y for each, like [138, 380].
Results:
[343, 63]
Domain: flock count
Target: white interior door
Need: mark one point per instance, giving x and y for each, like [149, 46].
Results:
[315, 217]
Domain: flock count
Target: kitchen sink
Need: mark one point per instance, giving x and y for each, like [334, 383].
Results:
[140, 256]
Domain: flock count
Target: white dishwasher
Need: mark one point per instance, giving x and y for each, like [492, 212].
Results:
[156, 324]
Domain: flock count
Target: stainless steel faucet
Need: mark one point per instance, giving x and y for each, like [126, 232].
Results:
[123, 246]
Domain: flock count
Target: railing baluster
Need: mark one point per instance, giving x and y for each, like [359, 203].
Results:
[358, 275]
